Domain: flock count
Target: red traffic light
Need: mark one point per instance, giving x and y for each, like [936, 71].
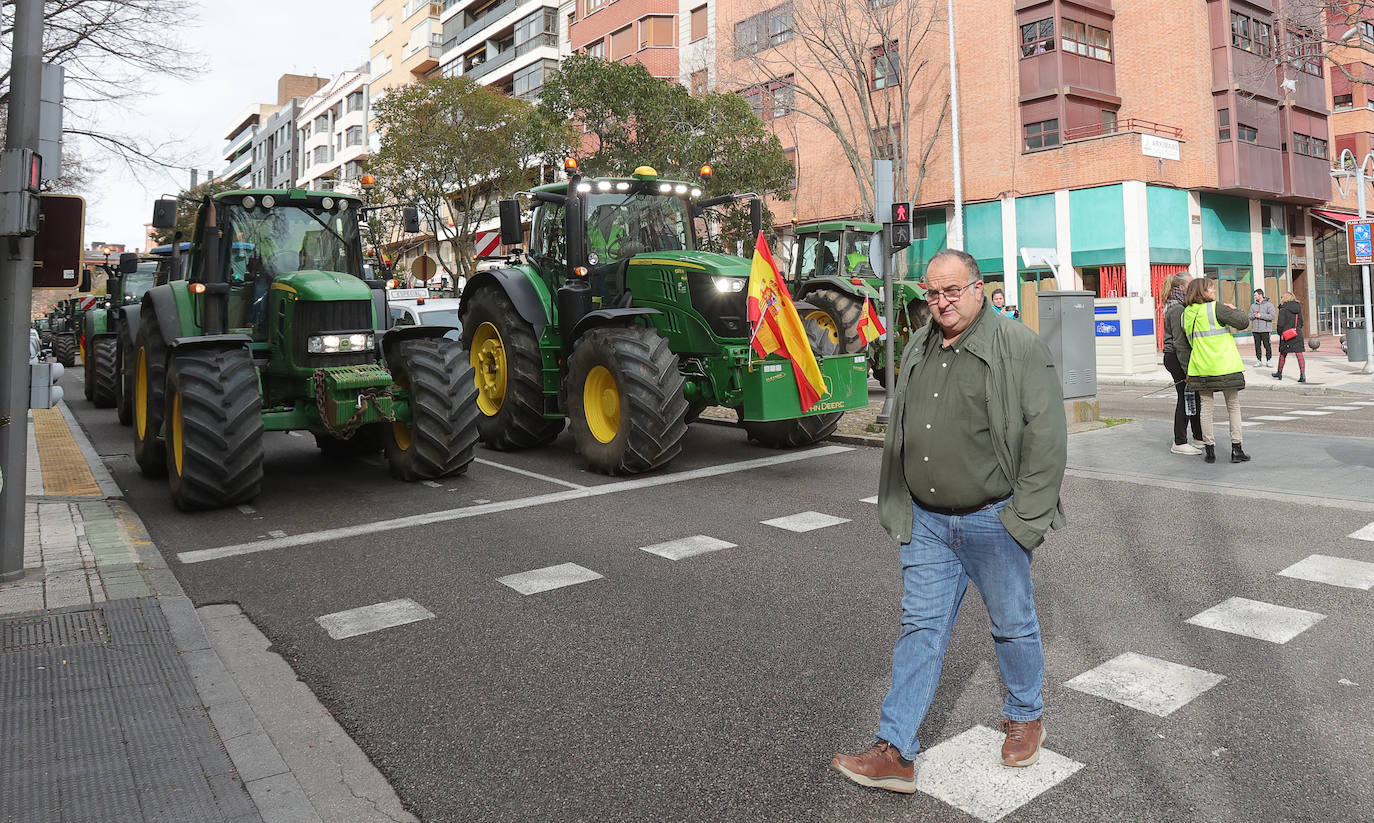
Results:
[901, 212]
[35, 171]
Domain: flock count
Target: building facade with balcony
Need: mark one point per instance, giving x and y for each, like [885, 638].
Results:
[510, 45]
[1132, 139]
[405, 42]
[275, 149]
[333, 133]
[238, 145]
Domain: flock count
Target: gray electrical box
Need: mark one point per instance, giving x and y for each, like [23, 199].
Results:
[1066, 326]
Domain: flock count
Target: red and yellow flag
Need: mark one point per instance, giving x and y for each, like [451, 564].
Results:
[870, 325]
[778, 327]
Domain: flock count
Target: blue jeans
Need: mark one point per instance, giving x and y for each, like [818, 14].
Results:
[945, 553]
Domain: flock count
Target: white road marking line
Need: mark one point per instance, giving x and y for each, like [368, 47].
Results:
[364, 619]
[805, 521]
[276, 533]
[295, 434]
[527, 473]
[444, 516]
[873, 500]
[1273, 417]
[431, 484]
[247, 509]
[1362, 402]
[1366, 533]
[1339, 408]
[1337, 571]
[1146, 683]
[481, 501]
[687, 547]
[1252, 618]
[967, 773]
[1309, 412]
[546, 579]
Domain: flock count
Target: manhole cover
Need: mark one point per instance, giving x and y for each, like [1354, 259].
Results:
[68, 629]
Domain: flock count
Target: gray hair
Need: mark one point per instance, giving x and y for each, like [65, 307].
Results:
[970, 265]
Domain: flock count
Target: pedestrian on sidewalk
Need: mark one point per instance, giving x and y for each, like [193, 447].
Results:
[1214, 362]
[971, 473]
[1177, 365]
[1261, 324]
[1290, 335]
[999, 304]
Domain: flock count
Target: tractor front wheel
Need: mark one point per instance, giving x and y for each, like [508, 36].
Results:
[150, 370]
[625, 400]
[508, 373]
[440, 438]
[799, 431]
[105, 371]
[214, 429]
[838, 314]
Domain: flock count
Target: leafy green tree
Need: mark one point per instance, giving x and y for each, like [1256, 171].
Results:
[632, 119]
[451, 148]
[187, 205]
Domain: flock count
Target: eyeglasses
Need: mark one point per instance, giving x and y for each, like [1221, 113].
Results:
[951, 294]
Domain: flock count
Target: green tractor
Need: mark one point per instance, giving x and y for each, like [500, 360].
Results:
[67, 318]
[106, 330]
[830, 270]
[615, 322]
[274, 328]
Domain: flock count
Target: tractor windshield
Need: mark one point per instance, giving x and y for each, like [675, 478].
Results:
[817, 255]
[290, 238]
[621, 226]
[855, 247]
[138, 282]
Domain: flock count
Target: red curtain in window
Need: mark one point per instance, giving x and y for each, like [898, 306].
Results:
[1158, 272]
[1111, 281]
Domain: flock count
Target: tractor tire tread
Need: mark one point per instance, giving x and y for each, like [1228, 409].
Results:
[105, 360]
[520, 423]
[444, 414]
[221, 430]
[845, 310]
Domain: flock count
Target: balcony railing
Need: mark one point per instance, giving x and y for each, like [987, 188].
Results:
[1132, 124]
[547, 40]
[490, 64]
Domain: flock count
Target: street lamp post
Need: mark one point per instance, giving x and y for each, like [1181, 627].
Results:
[1344, 172]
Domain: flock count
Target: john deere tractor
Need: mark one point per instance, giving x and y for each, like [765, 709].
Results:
[615, 322]
[275, 329]
[831, 271]
[66, 329]
[106, 329]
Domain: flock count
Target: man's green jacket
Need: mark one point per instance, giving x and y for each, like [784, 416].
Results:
[1026, 415]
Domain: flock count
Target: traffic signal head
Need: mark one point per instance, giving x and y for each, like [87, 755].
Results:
[901, 212]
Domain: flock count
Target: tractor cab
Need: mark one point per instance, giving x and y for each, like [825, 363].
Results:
[833, 250]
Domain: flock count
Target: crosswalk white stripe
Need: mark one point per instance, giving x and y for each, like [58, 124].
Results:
[966, 773]
[805, 521]
[1253, 618]
[365, 619]
[1365, 533]
[1146, 683]
[1336, 571]
[687, 547]
[1309, 412]
[1339, 408]
[549, 578]
[1277, 418]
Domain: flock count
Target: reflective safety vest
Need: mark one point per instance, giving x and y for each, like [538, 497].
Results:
[1214, 348]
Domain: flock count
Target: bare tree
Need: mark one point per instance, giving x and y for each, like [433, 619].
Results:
[860, 68]
[108, 48]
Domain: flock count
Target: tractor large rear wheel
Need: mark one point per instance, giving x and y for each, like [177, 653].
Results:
[625, 400]
[150, 378]
[64, 349]
[800, 431]
[507, 370]
[838, 314]
[105, 371]
[440, 438]
[214, 429]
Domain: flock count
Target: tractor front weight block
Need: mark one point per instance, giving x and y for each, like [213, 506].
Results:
[770, 389]
[346, 387]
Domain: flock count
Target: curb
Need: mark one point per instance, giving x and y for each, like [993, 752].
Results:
[1298, 388]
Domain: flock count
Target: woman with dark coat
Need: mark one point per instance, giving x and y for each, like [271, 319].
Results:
[1290, 317]
[1214, 362]
[1172, 290]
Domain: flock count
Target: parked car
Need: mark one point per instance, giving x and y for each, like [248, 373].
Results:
[414, 307]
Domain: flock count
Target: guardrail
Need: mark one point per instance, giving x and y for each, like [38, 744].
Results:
[1132, 125]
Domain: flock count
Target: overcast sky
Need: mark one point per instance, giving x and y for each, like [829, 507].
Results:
[245, 46]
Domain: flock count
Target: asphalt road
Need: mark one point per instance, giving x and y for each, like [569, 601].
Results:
[716, 687]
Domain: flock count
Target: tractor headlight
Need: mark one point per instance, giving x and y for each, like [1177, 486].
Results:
[336, 343]
[727, 285]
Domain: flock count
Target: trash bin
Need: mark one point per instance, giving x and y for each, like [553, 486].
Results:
[1355, 349]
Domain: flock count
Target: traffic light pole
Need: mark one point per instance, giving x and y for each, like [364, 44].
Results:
[16, 292]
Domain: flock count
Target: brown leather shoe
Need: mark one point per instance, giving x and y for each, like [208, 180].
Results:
[1022, 746]
[881, 767]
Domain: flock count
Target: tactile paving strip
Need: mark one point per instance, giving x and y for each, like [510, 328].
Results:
[65, 471]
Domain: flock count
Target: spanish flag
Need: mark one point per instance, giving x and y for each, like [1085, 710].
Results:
[870, 326]
[778, 327]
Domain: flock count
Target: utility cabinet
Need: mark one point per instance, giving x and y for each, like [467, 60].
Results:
[1066, 325]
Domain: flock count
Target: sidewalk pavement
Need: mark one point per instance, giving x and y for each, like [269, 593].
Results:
[121, 701]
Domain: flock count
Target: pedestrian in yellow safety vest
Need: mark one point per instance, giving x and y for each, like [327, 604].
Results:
[1213, 360]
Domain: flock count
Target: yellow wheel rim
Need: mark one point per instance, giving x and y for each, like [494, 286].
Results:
[402, 434]
[174, 432]
[601, 404]
[141, 394]
[488, 359]
[826, 322]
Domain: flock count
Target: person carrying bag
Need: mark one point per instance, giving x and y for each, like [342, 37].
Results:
[1290, 335]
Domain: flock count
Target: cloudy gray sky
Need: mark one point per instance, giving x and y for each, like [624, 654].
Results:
[244, 46]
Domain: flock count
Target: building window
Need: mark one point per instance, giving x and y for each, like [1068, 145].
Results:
[1271, 217]
[1247, 134]
[764, 30]
[1088, 41]
[1305, 51]
[1108, 121]
[354, 136]
[1037, 37]
[1309, 146]
[698, 23]
[597, 49]
[1367, 31]
[1240, 31]
[593, 5]
[655, 31]
[791, 155]
[623, 43]
[321, 154]
[887, 142]
[700, 78]
[305, 132]
[771, 100]
[887, 67]
[1041, 135]
[322, 123]
[542, 24]
[1342, 101]
[1223, 124]
[919, 229]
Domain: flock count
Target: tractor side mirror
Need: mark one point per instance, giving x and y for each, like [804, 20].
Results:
[128, 262]
[512, 234]
[164, 214]
[756, 216]
[85, 286]
[410, 220]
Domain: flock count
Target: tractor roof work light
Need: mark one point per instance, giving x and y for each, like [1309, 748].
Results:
[570, 166]
[645, 173]
[367, 182]
[707, 171]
